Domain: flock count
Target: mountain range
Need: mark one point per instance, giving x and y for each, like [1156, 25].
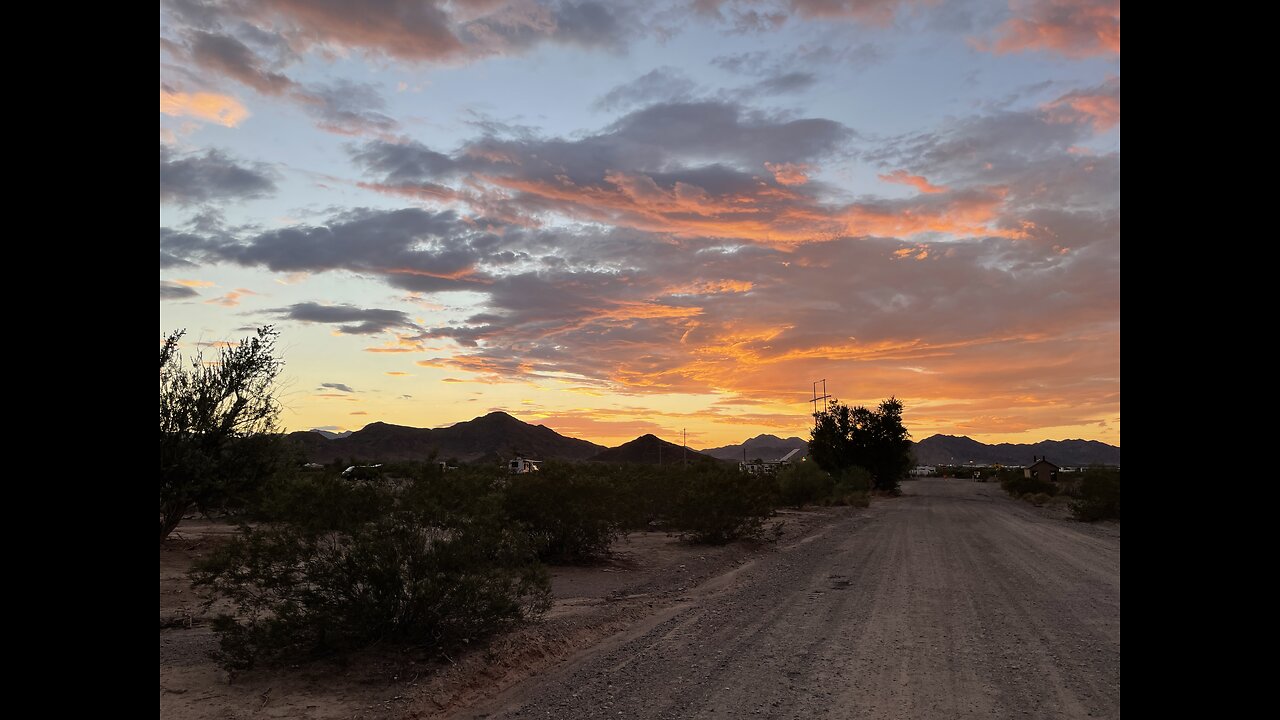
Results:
[961, 450]
[498, 437]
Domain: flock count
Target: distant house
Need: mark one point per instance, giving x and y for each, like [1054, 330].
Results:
[521, 465]
[923, 471]
[768, 467]
[1042, 470]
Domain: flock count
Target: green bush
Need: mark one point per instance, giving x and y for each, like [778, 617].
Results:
[717, 505]
[571, 512]
[804, 483]
[1099, 496]
[369, 562]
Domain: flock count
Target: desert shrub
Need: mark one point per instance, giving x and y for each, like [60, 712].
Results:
[717, 505]
[571, 512]
[648, 495]
[853, 487]
[804, 483]
[1099, 496]
[1037, 499]
[317, 503]
[369, 562]
[1016, 484]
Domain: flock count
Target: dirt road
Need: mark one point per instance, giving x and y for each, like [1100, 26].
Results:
[953, 601]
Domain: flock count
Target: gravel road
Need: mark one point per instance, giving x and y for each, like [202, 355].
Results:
[950, 602]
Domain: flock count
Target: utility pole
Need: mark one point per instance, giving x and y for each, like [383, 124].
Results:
[816, 398]
[685, 453]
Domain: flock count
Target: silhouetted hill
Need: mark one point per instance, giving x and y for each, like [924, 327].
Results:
[496, 436]
[959, 450]
[330, 435]
[765, 447]
[649, 450]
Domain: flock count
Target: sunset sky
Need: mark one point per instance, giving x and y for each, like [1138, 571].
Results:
[615, 218]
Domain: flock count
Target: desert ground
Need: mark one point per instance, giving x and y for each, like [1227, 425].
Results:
[952, 601]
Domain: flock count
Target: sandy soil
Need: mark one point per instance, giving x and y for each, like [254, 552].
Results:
[648, 573]
[951, 602]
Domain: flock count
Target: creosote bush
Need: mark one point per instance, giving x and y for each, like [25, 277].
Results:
[717, 505]
[1099, 496]
[367, 562]
[804, 483]
[572, 514]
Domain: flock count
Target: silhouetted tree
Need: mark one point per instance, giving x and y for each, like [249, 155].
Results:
[845, 437]
[218, 438]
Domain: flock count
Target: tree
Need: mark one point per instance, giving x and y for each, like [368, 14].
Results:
[844, 438]
[218, 438]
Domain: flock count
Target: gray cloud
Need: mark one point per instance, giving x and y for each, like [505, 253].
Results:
[174, 291]
[1032, 153]
[414, 249]
[664, 84]
[665, 137]
[406, 162]
[786, 83]
[349, 318]
[854, 56]
[347, 108]
[229, 56]
[211, 176]
[220, 35]
[586, 24]
[337, 386]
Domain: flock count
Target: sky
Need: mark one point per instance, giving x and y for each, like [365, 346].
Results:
[617, 218]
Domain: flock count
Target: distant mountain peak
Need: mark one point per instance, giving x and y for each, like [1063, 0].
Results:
[649, 449]
[765, 447]
[330, 434]
[494, 436]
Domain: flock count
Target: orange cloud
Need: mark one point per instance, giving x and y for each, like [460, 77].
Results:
[231, 299]
[1074, 28]
[709, 287]
[766, 213]
[211, 107]
[1100, 109]
[901, 177]
[789, 173]
[397, 373]
[402, 344]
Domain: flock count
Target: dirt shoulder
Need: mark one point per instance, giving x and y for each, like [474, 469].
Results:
[646, 574]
